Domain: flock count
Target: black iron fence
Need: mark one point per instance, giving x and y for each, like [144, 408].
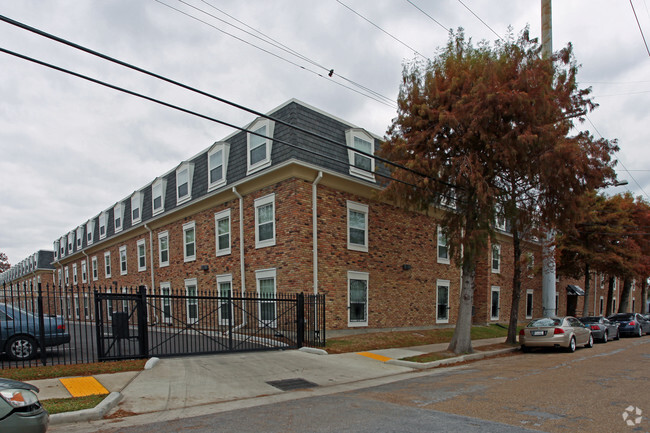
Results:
[83, 324]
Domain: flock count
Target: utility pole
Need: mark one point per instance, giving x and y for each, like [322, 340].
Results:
[548, 246]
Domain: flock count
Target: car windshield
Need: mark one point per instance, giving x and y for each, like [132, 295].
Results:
[589, 319]
[544, 322]
[619, 317]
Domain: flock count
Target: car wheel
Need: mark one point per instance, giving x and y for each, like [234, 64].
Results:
[590, 342]
[618, 335]
[605, 337]
[21, 348]
[572, 345]
[525, 349]
[640, 333]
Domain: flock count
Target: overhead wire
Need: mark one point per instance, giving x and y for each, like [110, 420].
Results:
[430, 17]
[640, 29]
[481, 20]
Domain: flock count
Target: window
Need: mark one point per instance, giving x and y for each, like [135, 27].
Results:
[184, 175]
[84, 271]
[123, 268]
[166, 302]
[192, 301]
[601, 306]
[163, 249]
[66, 274]
[530, 264]
[496, 259]
[90, 229]
[557, 303]
[95, 268]
[107, 264]
[158, 196]
[442, 301]
[55, 247]
[529, 304]
[118, 217]
[495, 304]
[70, 242]
[222, 231]
[86, 307]
[258, 146]
[357, 226]
[142, 256]
[189, 241]
[136, 207]
[77, 313]
[358, 298]
[224, 285]
[217, 165]
[60, 278]
[361, 164]
[266, 290]
[103, 217]
[443, 247]
[80, 236]
[633, 305]
[74, 274]
[613, 305]
[265, 221]
[499, 218]
[62, 242]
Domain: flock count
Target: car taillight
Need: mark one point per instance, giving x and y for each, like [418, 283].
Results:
[61, 327]
[521, 332]
[558, 331]
[632, 323]
[595, 327]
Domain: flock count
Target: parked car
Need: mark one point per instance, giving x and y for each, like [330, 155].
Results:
[601, 328]
[566, 332]
[632, 324]
[20, 409]
[20, 332]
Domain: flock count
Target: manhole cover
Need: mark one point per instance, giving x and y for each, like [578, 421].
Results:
[291, 384]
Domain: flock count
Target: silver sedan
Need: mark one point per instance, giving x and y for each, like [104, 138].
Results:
[566, 332]
[601, 328]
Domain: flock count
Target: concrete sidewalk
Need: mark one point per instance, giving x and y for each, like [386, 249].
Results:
[181, 386]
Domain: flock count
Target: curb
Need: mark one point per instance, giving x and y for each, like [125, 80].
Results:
[313, 350]
[97, 412]
[449, 361]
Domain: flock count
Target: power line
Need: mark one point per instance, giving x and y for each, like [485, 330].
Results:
[641, 30]
[386, 32]
[430, 17]
[479, 18]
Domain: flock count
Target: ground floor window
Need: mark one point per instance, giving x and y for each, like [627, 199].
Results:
[442, 301]
[557, 303]
[266, 290]
[166, 302]
[529, 304]
[192, 301]
[495, 305]
[224, 284]
[358, 298]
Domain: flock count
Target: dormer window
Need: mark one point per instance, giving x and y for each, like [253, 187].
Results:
[90, 230]
[258, 146]
[158, 196]
[118, 217]
[184, 175]
[499, 218]
[361, 164]
[80, 236]
[56, 249]
[62, 246]
[70, 242]
[103, 217]
[136, 207]
[217, 165]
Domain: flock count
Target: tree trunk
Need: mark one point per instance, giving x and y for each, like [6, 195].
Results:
[623, 305]
[461, 342]
[516, 288]
[610, 296]
[644, 295]
[585, 306]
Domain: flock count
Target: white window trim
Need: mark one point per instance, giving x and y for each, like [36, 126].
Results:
[354, 275]
[264, 274]
[498, 290]
[361, 208]
[55, 246]
[80, 236]
[226, 278]
[349, 140]
[70, 242]
[118, 213]
[84, 271]
[162, 235]
[496, 270]
[141, 243]
[191, 282]
[442, 260]
[166, 285]
[124, 271]
[217, 217]
[447, 284]
[190, 174]
[95, 268]
[224, 147]
[266, 162]
[66, 275]
[532, 303]
[108, 270]
[186, 227]
[262, 201]
[90, 232]
[136, 198]
[74, 274]
[163, 186]
[103, 222]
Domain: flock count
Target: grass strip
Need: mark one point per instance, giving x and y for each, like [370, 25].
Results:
[60, 405]
[54, 371]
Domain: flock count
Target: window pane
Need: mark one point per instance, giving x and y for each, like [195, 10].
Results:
[362, 162]
[157, 202]
[358, 300]
[495, 304]
[265, 213]
[443, 302]
[258, 154]
[216, 166]
[362, 145]
[265, 231]
[216, 174]
[182, 190]
[136, 213]
[224, 241]
[357, 237]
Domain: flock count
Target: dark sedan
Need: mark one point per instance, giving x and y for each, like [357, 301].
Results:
[20, 332]
[601, 328]
[632, 324]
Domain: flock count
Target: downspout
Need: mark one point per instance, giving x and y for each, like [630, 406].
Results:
[314, 216]
[241, 257]
[153, 281]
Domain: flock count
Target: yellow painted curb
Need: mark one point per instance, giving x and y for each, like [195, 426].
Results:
[375, 356]
[83, 386]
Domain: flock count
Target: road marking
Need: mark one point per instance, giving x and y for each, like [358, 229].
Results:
[83, 386]
[375, 356]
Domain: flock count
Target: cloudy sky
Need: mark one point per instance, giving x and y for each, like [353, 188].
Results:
[70, 149]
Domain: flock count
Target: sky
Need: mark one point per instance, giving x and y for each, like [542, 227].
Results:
[70, 149]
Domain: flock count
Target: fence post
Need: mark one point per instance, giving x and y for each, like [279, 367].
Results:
[41, 324]
[230, 314]
[142, 322]
[300, 318]
[99, 324]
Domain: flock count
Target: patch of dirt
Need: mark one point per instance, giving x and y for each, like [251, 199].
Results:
[120, 413]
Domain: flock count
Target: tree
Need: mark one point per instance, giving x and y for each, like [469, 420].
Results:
[465, 120]
[4, 263]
